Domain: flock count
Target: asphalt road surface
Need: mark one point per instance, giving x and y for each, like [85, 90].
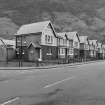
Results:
[77, 85]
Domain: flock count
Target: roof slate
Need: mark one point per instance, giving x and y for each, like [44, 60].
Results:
[61, 35]
[32, 28]
[83, 39]
[71, 35]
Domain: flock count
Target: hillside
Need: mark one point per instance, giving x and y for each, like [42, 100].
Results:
[85, 16]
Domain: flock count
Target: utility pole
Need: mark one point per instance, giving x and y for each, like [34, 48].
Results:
[21, 53]
[19, 50]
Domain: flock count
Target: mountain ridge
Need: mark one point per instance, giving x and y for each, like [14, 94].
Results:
[86, 17]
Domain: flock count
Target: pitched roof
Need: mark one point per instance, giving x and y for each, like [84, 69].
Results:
[103, 46]
[61, 35]
[32, 28]
[71, 35]
[99, 45]
[8, 42]
[83, 39]
[90, 42]
[94, 42]
[35, 45]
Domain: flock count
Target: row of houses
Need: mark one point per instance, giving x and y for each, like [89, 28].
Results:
[39, 41]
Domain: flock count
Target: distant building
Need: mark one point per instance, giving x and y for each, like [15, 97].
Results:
[91, 49]
[100, 51]
[84, 47]
[38, 41]
[103, 51]
[74, 43]
[7, 49]
[95, 44]
[62, 45]
[70, 49]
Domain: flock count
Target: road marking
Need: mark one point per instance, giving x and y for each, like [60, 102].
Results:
[10, 101]
[58, 82]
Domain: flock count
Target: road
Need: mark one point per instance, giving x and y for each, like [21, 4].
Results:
[76, 85]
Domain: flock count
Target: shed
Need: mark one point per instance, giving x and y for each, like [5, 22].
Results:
[7, 49]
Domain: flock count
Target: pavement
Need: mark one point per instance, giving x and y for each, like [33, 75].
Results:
[48, 67]
[66, 85]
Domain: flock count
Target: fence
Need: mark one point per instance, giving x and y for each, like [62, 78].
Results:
[15, 63]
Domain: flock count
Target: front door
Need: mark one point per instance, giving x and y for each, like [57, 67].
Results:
[34, 54]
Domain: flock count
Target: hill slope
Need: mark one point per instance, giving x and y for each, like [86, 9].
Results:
[85, 16]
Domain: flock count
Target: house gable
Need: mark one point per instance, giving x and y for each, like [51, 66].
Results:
[48, 36]
[84, 42]
[76, 41]
[62, 39]
[35, 45]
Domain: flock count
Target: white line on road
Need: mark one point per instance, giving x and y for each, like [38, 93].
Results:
[58, 82]
[10, 101]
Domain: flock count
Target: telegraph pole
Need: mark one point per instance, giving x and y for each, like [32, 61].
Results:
[21, 53]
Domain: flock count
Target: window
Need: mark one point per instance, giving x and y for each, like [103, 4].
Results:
[48, 39]
[71, 51]
[75, 44]
[49, 51]
[51, 39]
[70, 44]
[63, 41]
[86, 46]
[45, 38]
[62, 51]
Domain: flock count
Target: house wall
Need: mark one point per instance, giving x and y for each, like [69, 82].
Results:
[91, 52]
[50, 40]
[76, 43]
[81, 46]
[6, 53]
[27, 39]
[62, 52]
[33, 53]
[11, 53]
[76, 53]
[2, 53]
[70, 52]
[49, 52]
[86, 46]
[62, 42]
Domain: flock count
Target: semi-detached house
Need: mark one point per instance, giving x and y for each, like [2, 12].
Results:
[70, 50]
[95, 44]
[103, 51]
[100, 51]
[84, 47]
[38, 41]
[91, 49]
[62, 45]
[74, 43]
